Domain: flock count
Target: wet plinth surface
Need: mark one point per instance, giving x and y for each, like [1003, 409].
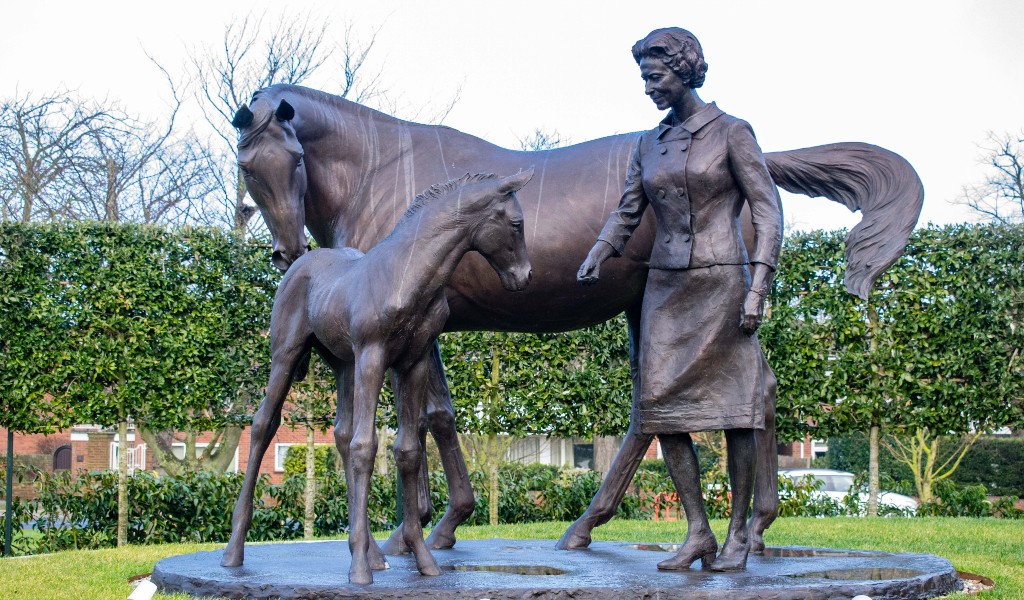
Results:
[506, 569]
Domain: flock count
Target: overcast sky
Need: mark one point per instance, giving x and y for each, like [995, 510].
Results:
[928, 80]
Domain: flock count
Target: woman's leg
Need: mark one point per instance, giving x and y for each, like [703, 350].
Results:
[742, 449]
[681, 460]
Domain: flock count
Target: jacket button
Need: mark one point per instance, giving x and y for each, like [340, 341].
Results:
[668, 237]
[661, 193]
[685, 148]
[664, 150]
[686, 237]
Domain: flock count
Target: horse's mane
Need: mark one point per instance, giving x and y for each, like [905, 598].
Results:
[441, 190]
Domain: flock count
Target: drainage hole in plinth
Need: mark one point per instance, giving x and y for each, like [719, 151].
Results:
[510, 569]
[866, 574]
[809, 552]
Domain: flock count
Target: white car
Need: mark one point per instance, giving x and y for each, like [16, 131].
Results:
[836, 485]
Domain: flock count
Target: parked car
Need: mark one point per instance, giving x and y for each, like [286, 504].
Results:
[836, 485]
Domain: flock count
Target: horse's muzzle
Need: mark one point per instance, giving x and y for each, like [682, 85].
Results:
[283, 260]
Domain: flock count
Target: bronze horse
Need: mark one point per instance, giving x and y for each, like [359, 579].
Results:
[361, 166]
[367, 313]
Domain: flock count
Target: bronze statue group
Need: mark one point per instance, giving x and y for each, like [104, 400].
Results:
[692, 279]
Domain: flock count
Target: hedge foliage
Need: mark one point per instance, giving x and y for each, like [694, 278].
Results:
[106, 321]
[81, 512]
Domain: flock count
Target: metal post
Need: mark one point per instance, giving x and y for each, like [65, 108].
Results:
[9, 498]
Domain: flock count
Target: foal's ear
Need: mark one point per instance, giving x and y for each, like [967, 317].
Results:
[284, 111]
[243, 118]
[514, 183]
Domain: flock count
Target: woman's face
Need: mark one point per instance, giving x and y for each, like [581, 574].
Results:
[661, 83]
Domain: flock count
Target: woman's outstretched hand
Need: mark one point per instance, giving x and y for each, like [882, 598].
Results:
[590, 268]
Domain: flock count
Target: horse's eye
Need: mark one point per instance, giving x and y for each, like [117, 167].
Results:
[517, 225]
[245, 171]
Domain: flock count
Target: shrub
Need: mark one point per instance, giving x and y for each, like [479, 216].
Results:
[325, 459]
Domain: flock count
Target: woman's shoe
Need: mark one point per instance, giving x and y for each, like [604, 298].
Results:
[703, 549]
[733, 556]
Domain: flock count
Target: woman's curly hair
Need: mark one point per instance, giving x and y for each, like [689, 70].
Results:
[678, 49]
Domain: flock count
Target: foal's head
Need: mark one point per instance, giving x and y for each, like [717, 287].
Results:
[270, 159]
[486, 208]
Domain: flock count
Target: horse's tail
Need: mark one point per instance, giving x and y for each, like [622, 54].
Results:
[879, 183]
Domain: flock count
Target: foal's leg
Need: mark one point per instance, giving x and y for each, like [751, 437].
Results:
[264, 426]
[441, 421]
[608, 497]
[408, 456]
[369, 376]
[766, 484]
[345, 376]
[461, 500]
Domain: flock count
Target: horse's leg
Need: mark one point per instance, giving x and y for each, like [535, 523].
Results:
[369, 377]
[408, 457]
[608, 497]
[441, 421]
[264, 426]
[344, 373]
[766, 486]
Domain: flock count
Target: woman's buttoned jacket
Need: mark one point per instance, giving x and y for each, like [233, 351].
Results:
[696, 176]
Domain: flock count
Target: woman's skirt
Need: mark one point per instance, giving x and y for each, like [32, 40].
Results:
[698, 370]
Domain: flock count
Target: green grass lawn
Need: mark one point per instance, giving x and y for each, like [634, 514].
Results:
[990, 547]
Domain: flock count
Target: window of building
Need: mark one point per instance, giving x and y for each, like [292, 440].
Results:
[280, 452]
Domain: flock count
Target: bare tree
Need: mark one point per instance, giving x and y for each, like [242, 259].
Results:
[543, 140]
[1000, 197]
[259, 51]
[141, 171]
[42, 141]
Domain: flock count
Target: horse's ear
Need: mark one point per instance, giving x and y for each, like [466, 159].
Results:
[284, 111]
[243, 118]
[514, 183]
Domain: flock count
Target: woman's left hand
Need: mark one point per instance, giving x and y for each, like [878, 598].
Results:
[753, 312]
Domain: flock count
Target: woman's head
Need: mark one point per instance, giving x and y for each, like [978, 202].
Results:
[678, 49]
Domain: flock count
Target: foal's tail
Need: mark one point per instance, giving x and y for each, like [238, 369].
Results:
[879, 183]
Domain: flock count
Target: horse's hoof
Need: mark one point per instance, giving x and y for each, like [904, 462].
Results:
[572, 540]
[232, 558]
[428, 566]
[360, 577]
[395, 545]
[440, 541]
[757, 544]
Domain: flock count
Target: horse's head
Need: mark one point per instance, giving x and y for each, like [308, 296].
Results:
[270, 158]
[498, 233]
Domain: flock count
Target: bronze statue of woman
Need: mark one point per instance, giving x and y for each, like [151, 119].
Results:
[701, 365]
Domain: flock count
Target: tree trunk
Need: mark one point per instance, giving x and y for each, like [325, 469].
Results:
[604, 452]
[216, 457]
[9, 495]
[122, 483]
[873, 471]
[310, 514]
[492, 476]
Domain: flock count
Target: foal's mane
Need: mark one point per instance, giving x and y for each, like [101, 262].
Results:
[442, 190]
